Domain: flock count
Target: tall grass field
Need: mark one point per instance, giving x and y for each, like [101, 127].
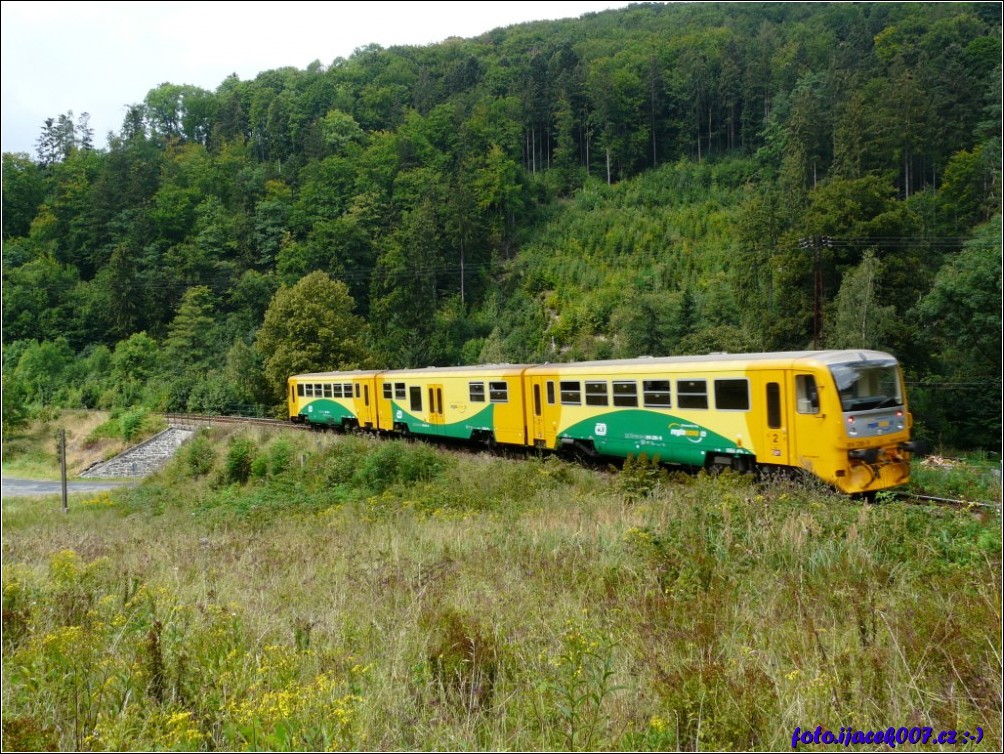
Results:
[287, 591]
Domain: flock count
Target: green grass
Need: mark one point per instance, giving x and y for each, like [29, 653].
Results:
[363, 595]
[975, 478]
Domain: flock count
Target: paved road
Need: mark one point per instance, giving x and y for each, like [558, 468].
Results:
[21, 487]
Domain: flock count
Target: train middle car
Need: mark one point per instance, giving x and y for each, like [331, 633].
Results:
[482, 403]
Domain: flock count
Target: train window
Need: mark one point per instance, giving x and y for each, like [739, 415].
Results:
[550, 393]
[596, 394]
[626, 393]
[571, 393]
[292, 393]
[366, 394]
[692, 393]
[347, 389]
[773, 405]
[299, 390]
[327, 389]
[388, 391]
[807, 394]
[656, 393]
[416, 398]
[357, 390]
[310, 390]
[477, 390]
[336, 390]
[536, 400]
[432, 402]
[399, 391]
[498, 392]
[732, 395]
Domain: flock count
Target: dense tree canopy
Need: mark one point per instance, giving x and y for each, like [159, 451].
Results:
[634, 181]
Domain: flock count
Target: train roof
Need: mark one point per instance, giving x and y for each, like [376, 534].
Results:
[508, 369]
[336, 375]
[777, 359]
[780, 359]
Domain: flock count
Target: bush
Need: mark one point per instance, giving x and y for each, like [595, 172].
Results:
[395, 462]
[240, 459]
[200, 456]
[131, 422]
[280, 456]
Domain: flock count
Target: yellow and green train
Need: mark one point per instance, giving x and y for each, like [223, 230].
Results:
[840, 415]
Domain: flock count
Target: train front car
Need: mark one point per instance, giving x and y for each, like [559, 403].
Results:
[852, 422]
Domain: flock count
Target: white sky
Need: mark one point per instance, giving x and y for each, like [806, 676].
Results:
[98, 57]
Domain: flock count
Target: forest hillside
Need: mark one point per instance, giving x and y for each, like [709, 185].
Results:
[661, 179]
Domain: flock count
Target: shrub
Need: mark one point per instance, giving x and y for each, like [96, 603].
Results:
[240, 459]
[200, 456]
[131, 422]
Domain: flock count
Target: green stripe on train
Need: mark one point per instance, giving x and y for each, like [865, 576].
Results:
[323, 411]
[632, 432]
[461, 430]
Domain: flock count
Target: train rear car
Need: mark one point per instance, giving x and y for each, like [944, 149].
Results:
[483, 403]
[342, 400]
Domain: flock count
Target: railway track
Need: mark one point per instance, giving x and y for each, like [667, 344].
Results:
[202, 420]
[947, 501]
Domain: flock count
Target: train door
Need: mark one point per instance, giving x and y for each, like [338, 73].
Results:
[436, 412]
[542, 409]
[806, 422]
[776, 419]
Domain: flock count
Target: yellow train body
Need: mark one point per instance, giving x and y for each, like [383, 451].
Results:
[840, 415]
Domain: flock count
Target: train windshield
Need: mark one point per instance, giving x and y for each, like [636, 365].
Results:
[868, 384]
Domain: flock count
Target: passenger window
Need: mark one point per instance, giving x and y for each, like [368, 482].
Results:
[773, 405]
[327, 390]
[336, 390]
[807, 394]
[656, 393]
[299, 390]
[498, 392]
[347, 389]
[388, 391]
[536, 400]
[416, 398]
[626, 394]
[477, 392]
[732, 395]
[399, 391]
[692, 393]
[292, 393]
[596, 394]
[550, 393]
[310, 390]
[366, 394]
[357, 390]
[571, 393]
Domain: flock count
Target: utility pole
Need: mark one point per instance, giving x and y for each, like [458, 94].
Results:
[62, 467]
[816, 245]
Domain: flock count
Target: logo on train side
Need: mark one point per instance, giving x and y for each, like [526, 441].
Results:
[689, 431]
[600, 430]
